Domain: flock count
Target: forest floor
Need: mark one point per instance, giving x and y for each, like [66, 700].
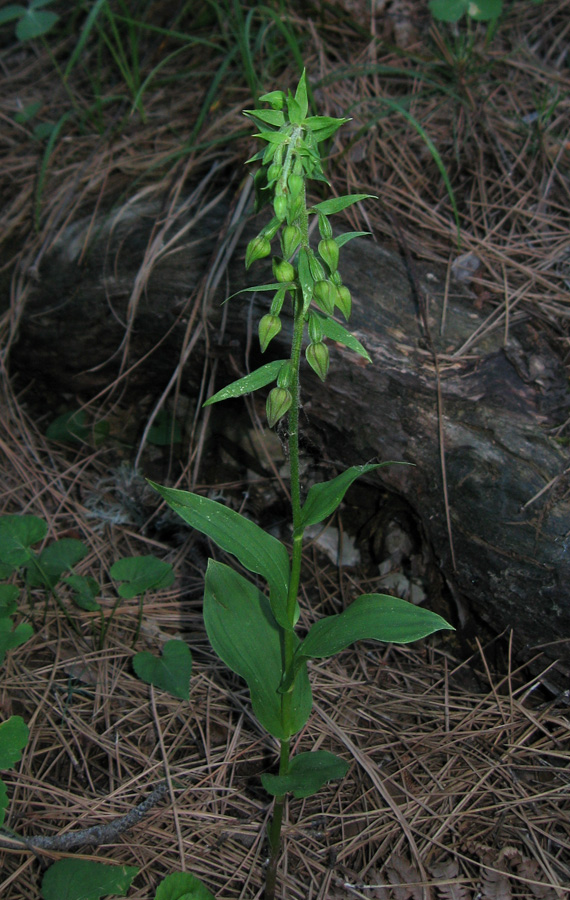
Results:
[458, 783]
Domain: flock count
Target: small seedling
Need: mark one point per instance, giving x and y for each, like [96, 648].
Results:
[253, 632]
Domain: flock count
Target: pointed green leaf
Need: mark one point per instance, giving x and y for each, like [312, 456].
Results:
[256, 550]
[336, 204]
[82, 879]
[182, 886]
[243, 632]
[140, 574]
[11, 637]
[17, 534]
[272, 137]
[343, 239]
[308, 772]
[336, 332]
[305, 279]
[266, 116]
[324, 498]
[377, 617]
[170, 672]
[14, 734]
[323, 127]
[301, 95]
[252, 382]
[275, 286]
[46, 569]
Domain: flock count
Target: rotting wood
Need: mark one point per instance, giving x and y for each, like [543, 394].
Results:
[507, 473]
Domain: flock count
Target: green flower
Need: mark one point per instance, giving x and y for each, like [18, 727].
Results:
[283, 270]
[277, 405]
[259, 247]
[269, 327]
[318, 358]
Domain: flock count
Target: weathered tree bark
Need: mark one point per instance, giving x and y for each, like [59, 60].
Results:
[507, 475]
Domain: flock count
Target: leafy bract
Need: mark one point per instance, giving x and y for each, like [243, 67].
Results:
[336, 332]
[376, 617]
[17, 534]
[140, 574]
[308, 772]
[343, 239]
[336, 204]
[323, 126]
[170, 672]
[243, 632]
[82, 879]
[257, 551]
[14, 734]
[252, 382]
[46, 568]
[324, 498]
[182, 886]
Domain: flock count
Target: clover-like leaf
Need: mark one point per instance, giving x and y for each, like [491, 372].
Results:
[169, 672]
[46, 568]
[17, 535]
[182, 886]
[82, 879]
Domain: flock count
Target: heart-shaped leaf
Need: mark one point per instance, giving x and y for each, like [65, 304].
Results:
[11, 637]
[17, 534]
[82, 879]
[182, 886]
[169, 672]
[46, 568]
[140, 574]
[14, 734]
[85, 589]
[308, 772]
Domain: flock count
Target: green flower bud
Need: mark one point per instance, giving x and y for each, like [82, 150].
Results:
[285, 376]
[323, 294]
[269, 326]
[283, 270]
[277, 405]
[259, 247]
[315, 267]
[325, 227]
[280, 207]
[344, 301]
[329, 252]
[295, 184]
[318, 358]
[273, 173]
[290, 239]
[315, 328]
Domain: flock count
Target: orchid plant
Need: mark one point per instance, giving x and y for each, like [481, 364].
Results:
[255, 631]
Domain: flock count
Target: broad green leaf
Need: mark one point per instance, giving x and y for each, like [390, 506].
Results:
[14, 734]
[377, 617]
[336, 204]
[35, 24]
[324, 498]
[182, 886]
[85, 589]
[69, 428]
[243, 632]
[6, 570]
[141, 574]
[301, 96]
[46, 569]
[81, 879]
[308, 772]
[170, 672]
[343, 239]
[256, 550]
[165, 430]
[252, 382]
[11, 637]
[336, 332]
[17, 534]
[8, 599]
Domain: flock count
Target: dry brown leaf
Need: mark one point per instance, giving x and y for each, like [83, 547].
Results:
[452, 887]
[404, 878]
[529, 868]
[495, 885]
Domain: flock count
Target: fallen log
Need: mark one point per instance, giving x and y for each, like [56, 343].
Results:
[488, 407]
